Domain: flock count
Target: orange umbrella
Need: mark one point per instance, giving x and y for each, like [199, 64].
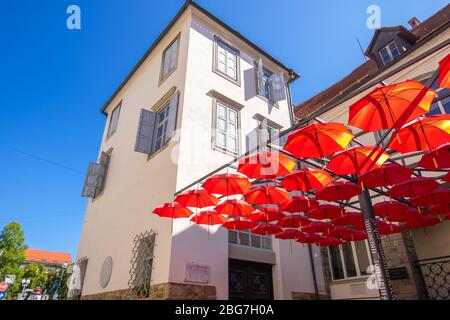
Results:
[294, 221]
[436, 159]
[306, 179]
[238, 223]
[208, 217]
[391, 106]
[198, 198]
[422, 134]
[357, 160]
[326, 211]
[413, 187]
[266, 165]
[437, 196]
[318, 140]
[266, 195]
[173, 210]
[386, 175]
[234, 208]
[227, 184]
[338, 190]
[266, 229]
[266, 215]
[299, 204]
[444, 72]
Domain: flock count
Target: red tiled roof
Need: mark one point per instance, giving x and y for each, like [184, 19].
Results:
[47, 257]
[366, 70]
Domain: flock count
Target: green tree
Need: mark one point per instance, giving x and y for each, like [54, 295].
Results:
[57, 283]
[37, 274]
[12, 247]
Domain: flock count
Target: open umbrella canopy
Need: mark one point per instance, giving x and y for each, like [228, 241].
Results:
[294, 221]
[238, 223]
[413, 187]
[444, 73]
[173, 210]
[422, 222]
[410, 214]
[356, 235]
[266, 215]
[234, 208]
[298, 204]
[437, 196]
[266, 165]
[309, 238]
[266, 229]
[289, 234]
[329, 242]
[436, 159]
[227, 184]
[357, 160]
[387, 208]
[386, 229]
[391, 106]
[338, 190]
[340, 232]
[386, 175]
[266, 195]
[198, 198]
[326, 211]
[350, 219]
[423, 134]
[318, 227]
[318, 140]
[439, 209]
[306, 180]
[209, 217]
[446, 178]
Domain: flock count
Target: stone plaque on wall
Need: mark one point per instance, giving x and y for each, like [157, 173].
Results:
[197, 273]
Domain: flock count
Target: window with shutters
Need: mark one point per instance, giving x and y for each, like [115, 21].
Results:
[162, 120]
[266, 90]
[269, 85]
[226, 128]
[95, 181]
[114, 120]
[227, 61]
[170, 59]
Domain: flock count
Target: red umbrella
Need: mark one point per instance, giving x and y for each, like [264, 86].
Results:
[173, 210]
[447, 217]
[299, 204]
[289, 234]
[410, 214]
[338, 191]
[294, 221]
[329, 242]
[340, 232]
[437, 196]
[446, 178]
[387, 208]
[356, 236]
[424, 134]
[386, 229]
[391, 106]
[198, 198]
[227, 184]
[317, 227]
[413, 187]
[306, 179]
[439, 209]
[326, 211]
[266, 215]
[349, 219]
[422, 222]
[386, 175]
[309, 238]
[266, 195]
[266, 229]
[436, 159]
[234, 208]
[209, 217]
[357, 160]
[238, 223]
[266, 165]
[444, 72]
[318, 140]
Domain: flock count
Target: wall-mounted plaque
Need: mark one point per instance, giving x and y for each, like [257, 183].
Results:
[197, 273]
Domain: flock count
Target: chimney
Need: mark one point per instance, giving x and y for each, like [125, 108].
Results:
[414, 23]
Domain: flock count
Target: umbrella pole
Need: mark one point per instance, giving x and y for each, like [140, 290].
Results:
[290, 242]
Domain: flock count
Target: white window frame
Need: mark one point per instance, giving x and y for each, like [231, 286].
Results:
[227, 132]
[231, 55]
[161, 123]
[250, 235]
[173, 52]
[389, 52]
[114, 120]
[355, 259]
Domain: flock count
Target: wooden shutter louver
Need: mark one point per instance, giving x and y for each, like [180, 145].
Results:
[145, 132]
[91, 180]
[260, 77]
[173, 112]
[102, 173]
[278, 87]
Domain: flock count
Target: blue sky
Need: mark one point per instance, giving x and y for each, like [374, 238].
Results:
[54, 82]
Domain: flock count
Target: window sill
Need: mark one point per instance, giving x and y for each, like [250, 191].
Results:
[350, 280]
[163, 79]
[275, 104]
[151, 156]
[225, 76]
[225, 151]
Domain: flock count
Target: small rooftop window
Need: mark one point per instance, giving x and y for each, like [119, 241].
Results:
[389, 53]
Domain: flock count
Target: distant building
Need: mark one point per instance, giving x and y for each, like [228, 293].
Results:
[51, 260]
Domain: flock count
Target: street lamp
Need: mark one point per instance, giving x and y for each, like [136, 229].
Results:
[25, 284]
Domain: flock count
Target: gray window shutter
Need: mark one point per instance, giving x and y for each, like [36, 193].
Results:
[278, 87]
[173, 111]
[260, 77]
[102, 173]
[91, 180]
[263, 134]
[146, 128]
[282, 140]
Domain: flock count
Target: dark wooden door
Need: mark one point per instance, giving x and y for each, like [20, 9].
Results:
[250, 280]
